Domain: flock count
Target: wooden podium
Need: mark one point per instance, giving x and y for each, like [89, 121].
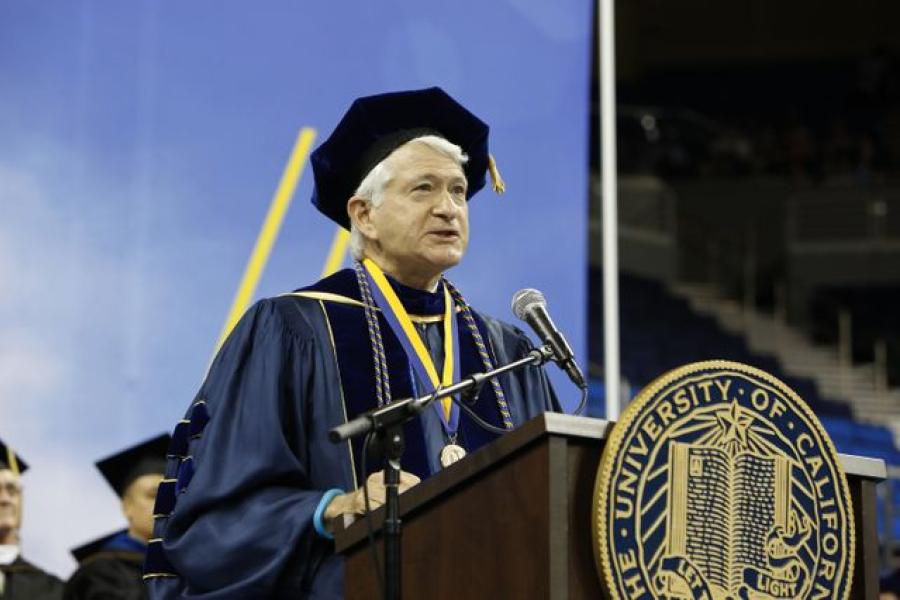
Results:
[513, 521]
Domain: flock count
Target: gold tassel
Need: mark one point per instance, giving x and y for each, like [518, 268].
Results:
[496, 180]
[11, 459]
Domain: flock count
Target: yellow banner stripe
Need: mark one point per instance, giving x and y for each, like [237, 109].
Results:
[337, 252]
[269, 232]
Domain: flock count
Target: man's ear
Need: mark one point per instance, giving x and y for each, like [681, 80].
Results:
[360, 212]
[127, 508]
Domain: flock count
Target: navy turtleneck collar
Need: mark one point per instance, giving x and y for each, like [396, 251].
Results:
[419, 302]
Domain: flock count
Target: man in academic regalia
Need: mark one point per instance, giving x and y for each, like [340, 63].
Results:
[110, 567]
[254, 483]
[19, 579]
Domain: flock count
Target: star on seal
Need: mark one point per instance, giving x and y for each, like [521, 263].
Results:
[734, 424]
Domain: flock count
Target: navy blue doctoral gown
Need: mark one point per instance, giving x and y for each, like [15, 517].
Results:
[251, 460]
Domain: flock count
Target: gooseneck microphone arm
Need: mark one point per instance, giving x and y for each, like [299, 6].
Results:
[401, 411]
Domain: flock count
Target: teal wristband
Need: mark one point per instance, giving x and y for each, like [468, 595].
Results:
[319, 525]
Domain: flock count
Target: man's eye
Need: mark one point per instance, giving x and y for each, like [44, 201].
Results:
[459, 190]
[423, 187]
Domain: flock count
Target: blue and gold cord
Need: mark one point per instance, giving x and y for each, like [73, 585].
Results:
[382, 383]
[482, 353]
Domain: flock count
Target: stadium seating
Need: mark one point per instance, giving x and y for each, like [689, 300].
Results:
[660, 332]
[874, 316]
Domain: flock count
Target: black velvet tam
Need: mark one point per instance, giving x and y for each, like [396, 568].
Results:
[375, 126]
[122, 468]
[10, 460]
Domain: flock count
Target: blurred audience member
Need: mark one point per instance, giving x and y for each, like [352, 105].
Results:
[19, 579]
[110, 567]
[801, 149]
[890, 587]
[840, 148]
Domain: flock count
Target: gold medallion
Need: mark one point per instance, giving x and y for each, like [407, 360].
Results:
[719, 482]
[452, 453]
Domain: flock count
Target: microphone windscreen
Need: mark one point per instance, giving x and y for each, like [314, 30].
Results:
[525, 299]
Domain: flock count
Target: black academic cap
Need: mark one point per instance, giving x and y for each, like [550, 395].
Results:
[124, 467]
[10, 460]
[89, 549]
[375, 126]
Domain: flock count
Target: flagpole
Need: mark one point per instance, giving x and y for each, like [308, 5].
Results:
[607, 79]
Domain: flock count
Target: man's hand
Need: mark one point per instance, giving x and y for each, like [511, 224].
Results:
[355, 501]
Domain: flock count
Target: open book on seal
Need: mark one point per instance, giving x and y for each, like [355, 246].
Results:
[722, 508]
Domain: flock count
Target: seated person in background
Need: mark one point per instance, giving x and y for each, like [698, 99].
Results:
[19, 579]
[110, 567]
[890, 586]
[256, 481]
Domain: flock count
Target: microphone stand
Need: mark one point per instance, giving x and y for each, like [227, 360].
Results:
[386, 423]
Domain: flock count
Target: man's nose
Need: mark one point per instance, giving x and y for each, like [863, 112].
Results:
[7, 494]
[446, 206]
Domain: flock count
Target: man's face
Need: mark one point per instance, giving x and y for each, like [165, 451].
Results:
[422, 223]
[10, 505]
[137, 505]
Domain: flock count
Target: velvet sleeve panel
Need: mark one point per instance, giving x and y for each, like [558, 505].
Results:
[531, 384]
[241, 521]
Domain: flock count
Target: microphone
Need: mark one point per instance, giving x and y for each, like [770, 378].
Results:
[530, 306]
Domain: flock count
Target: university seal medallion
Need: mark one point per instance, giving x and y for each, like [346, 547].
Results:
[718, 482]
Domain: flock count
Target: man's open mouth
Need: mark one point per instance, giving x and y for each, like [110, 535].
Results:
[447, 234]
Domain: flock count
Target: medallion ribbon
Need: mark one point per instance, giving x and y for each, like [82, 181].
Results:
[416, 352]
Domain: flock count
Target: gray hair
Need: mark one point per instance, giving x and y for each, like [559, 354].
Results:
[372, 186]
